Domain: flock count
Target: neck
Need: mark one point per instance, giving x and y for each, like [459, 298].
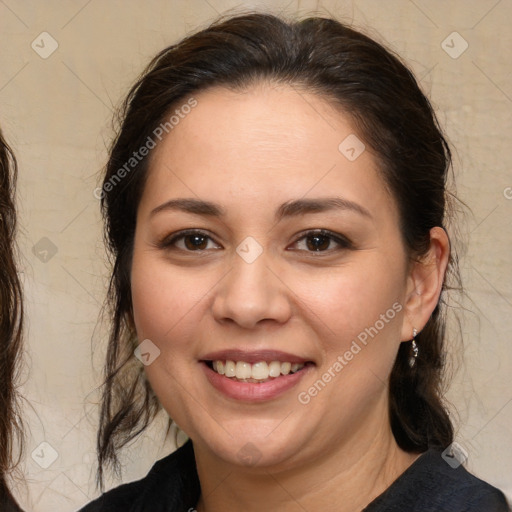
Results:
[351, 474]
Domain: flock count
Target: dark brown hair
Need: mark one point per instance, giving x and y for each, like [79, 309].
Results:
[11, 318]
[392, 116]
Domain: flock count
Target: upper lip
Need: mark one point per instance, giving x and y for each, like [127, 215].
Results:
[253, 356]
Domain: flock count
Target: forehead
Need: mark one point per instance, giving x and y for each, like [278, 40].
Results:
[264, 120]
[264, 142]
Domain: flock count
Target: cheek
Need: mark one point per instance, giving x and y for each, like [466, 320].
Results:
[358, 313]
[153, 301]
[170, 308]
[349, 301]
[164, 300]
[166, 306]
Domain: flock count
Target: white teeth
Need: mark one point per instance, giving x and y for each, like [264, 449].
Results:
[285, 368]
[243, 370]
[260, 371]
[274, 369]
[229, 369]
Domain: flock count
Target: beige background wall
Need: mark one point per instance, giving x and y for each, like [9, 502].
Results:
[56, 113]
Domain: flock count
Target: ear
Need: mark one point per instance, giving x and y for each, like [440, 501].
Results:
[425, 282]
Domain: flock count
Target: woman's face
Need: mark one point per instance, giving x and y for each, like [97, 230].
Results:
[265, 236]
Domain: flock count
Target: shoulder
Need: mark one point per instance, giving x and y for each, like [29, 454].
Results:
[433, 485]
[170, 484]
[458, 488]
[7, 502]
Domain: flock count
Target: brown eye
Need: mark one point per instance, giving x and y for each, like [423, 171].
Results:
[318, 242]
[188, 241]
[193, 242]
[322, 241]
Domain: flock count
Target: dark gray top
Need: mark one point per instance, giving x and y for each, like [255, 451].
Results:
[7, 502]
[429, 485]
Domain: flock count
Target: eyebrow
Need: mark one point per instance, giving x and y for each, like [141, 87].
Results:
[288, 209]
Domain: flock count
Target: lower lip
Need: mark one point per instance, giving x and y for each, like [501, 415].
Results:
[252, 391]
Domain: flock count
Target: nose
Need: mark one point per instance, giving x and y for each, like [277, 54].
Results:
[251, 294]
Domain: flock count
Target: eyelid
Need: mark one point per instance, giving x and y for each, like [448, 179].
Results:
[342, 241]
[169, 241]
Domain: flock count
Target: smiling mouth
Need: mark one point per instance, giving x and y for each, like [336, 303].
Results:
[260, 372]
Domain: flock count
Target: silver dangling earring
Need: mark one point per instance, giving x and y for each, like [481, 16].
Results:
[415, 350]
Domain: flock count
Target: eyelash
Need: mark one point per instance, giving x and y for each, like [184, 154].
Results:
[343, 242]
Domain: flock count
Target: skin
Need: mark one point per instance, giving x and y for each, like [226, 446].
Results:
[250, 152]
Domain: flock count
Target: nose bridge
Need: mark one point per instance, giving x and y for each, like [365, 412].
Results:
[251, 292]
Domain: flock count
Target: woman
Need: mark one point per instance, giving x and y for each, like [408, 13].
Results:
[10, 327]
[275, 203]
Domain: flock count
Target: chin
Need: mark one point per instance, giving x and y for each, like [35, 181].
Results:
[251, 443]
